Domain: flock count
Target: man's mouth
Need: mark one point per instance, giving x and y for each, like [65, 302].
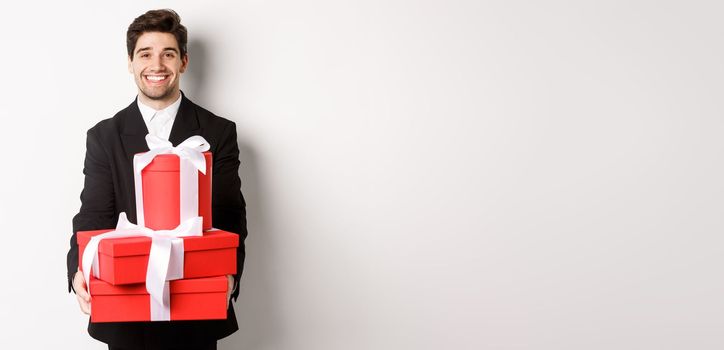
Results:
[156, 78]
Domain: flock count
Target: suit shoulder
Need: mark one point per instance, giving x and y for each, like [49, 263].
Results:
[109, 126]
[209, 118]
[212, 123]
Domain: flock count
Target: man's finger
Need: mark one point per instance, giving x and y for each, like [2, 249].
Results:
[84, 305]
[80, 287]
[230, 280]
[81, 292]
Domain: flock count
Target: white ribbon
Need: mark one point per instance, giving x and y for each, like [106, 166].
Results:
[165, 260]
[191, 160]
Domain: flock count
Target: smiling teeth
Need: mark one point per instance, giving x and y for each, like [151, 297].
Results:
[155, 78]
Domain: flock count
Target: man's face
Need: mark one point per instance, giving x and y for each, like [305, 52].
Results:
[157, 66]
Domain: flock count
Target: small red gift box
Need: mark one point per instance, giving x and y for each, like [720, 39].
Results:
[125, 260]
[191, 299]
[162, 196]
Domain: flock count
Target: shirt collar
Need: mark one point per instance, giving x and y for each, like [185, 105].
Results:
[147, 112]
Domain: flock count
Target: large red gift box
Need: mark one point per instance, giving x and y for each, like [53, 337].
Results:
[161, 192]
[125, 260]
[191, 299]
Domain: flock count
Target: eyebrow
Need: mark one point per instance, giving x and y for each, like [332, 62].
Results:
[150, 48]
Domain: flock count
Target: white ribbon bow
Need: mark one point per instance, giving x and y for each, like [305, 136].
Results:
[165, 260]
[191, 160]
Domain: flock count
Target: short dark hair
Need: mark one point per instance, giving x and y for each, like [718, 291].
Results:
[164, 21]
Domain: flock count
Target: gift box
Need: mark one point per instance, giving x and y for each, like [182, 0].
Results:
[125, 260]
[190, 299]
[162, 195]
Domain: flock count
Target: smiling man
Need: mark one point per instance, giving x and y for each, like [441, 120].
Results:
[156, 63]
[157, 58]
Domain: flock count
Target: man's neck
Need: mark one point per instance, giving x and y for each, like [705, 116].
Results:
[158, 104]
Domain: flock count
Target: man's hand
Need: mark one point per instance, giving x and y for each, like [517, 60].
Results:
[81, 292]
[229, 290]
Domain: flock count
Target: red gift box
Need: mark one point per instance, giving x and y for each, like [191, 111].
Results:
[125, 260]
[161, 192]
[191, 299]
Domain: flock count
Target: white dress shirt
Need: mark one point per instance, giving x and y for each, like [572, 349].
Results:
[159, 123]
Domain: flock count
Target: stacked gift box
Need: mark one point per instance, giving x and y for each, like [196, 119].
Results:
[173, 264]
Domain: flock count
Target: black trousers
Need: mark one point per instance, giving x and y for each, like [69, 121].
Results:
[211, 346]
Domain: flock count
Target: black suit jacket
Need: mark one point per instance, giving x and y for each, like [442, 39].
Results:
[108, 191]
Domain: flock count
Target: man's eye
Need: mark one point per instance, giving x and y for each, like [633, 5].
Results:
[170, 55]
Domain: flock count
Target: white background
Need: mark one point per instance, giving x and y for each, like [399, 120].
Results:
[419, 174]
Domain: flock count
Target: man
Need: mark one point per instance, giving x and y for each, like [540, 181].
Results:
[156, 43]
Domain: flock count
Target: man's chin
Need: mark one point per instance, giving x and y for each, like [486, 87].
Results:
[157, 96]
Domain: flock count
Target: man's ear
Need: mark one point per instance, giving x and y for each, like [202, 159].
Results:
[184, 63]
[130, 65]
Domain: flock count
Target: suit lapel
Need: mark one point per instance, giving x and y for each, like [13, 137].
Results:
[186, 123]
[133, 131]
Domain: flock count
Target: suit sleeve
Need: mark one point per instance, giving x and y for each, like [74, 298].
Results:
[228, 205]
[97, 210]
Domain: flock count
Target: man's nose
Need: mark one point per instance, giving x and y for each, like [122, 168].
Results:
[156, 63]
